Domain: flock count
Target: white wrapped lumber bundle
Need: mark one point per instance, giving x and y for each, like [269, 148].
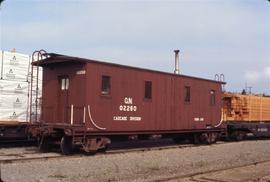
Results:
[246, 108]
[15, 66]
[15, 77]
[13, 100]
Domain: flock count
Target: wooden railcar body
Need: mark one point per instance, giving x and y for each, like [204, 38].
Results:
[91, 98]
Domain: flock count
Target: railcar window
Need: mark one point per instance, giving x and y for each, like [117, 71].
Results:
[212, 97]
[148, 90]
[187, 94]
[64, 83]
[106, 85]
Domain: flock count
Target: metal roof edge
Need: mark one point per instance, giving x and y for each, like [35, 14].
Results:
[53, 56]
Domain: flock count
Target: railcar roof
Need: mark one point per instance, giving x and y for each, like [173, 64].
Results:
[53, 58]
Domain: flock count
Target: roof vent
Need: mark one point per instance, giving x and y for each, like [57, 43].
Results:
[176, 70]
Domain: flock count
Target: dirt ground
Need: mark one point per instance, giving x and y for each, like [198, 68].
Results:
[258, 172]
[157, 165]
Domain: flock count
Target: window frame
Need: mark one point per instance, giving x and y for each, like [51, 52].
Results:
[187, 94]
[64, 83]
[106, 86]
[148, 90]
[212, 97]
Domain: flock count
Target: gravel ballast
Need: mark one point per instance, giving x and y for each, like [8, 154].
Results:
[139, 166]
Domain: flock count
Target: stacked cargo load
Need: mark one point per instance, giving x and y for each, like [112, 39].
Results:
[246, 108]
[14, 87]
[15, 77]
[246, 114]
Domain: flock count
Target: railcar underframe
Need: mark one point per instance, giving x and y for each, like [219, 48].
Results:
[70, 136]
[239, 130]
[17, 131]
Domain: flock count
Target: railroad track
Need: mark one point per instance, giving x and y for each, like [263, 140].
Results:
[35, 155]
[233, 173]
[199, 176]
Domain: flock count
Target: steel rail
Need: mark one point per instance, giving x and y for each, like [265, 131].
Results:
[121, 151]
[108, 152]
[192, 175]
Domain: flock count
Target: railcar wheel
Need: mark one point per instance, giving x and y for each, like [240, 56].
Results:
[240, 136]
[43, 145]
[104, 149]
[205, 138]
[66, 145]
[211, 138]
[237, 135]
[197, 139]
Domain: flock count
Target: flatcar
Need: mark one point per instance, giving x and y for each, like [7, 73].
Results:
[13, 131]
[246, 114]
[87, 103]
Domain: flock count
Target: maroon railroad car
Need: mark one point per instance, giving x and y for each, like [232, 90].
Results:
[87, 102]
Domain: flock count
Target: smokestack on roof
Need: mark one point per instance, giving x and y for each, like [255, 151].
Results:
[176, 70]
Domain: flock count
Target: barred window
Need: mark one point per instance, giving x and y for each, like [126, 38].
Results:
[64, 83]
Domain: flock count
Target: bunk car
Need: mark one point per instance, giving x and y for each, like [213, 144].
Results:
[87, 103]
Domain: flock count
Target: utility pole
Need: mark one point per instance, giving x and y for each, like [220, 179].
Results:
[248, 88]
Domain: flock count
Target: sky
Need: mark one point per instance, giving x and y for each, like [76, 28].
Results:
[229, 37]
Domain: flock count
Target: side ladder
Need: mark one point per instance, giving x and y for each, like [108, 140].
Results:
[35, 96]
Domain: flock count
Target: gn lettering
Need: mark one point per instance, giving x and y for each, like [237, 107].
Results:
[128, 107]
[128, 100]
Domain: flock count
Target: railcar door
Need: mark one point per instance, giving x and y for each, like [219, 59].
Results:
[63, 88]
